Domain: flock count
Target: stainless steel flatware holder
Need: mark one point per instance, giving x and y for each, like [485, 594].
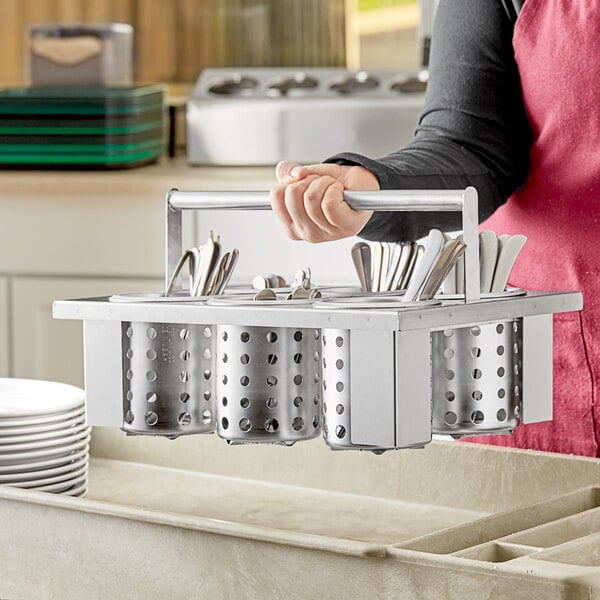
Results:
[368, 378]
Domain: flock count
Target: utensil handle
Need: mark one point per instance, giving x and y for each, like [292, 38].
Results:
[464, 201]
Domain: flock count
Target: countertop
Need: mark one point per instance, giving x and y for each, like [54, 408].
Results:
[158, 177]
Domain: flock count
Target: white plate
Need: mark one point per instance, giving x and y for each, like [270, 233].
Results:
[80, 490]
[63, 486]
[33, 397]
[22, 458]
[43, 429]
[81, 460]
[44, 464]
[42, 420]
[57, 432]
[70, 477]
[69, 437]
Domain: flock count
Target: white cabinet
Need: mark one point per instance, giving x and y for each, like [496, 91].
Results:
[4, 329]
[45, 348]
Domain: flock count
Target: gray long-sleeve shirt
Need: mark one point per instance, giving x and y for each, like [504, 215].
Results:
[473, 130]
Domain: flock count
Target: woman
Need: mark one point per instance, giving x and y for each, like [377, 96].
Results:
[511, 109]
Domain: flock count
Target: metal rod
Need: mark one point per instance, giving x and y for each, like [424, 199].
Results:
[389, 200]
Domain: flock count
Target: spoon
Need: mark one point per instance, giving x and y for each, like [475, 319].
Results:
[435, 243]
[509, 248]
[359, 265]
[488, 255]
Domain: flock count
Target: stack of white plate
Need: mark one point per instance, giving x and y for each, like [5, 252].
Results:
[44, 440]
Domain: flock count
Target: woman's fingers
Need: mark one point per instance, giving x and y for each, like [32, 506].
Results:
[288, 171]
[277, 197]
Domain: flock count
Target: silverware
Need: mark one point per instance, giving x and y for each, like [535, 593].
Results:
[451, 252]
[509, 248]
[488, 255]
[358, 252]
[234, 256]
[435, 243]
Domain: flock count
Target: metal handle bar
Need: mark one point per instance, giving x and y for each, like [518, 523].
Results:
[382, 200]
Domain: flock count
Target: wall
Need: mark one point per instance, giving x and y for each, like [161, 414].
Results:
[175, 39]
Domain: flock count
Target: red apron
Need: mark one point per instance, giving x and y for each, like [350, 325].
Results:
[557, 48]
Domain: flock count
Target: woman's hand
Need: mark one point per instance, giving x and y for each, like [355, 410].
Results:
[309, 200]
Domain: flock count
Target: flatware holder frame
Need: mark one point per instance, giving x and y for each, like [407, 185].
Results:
[383, 397]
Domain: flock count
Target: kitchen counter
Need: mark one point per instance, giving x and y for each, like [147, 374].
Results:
[152, 179]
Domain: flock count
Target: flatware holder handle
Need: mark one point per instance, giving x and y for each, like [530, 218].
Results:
[465, 201]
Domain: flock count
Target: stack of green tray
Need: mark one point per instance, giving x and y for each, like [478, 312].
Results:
[87, 127]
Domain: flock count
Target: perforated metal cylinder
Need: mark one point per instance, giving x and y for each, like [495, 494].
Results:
[168, 378]
[476, 379]
[336, 391]
[268, 386]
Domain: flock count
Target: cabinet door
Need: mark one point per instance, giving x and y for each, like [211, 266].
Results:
[45, 348]
[4, 329]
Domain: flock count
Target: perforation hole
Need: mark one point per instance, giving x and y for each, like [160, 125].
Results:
[500, 350]
[339, 386]
[340, 432]
[501, 415]
[448, 332]
[245, 337]
[207, 354]
[516, 348]
[129, 395]
[449, 374]
[184, 333]
[477, 417]
[298, 336]
[244, 403]
[224, 358]
[297, 358]
[450, 418]
[224, 379]
[448, 353]
[151, 397]
[501, 372]
[207, 374]
[316, 399]
[316, 356]
[297, 423]
[298, 401]
[128, 417]
[184, 355]
[501, 393]
[515, 327]
[184, 419]
[224, 401]
[499, 328]
[244, 359]
[316, 378]
[339, 341]
[129, 332]
[129, 353]
[271, 337]
[324, 340]
[271, 380]
[325, 407]
[151, 333]
[224, 336]
[475, 331]
[324, 363]
[298, 379]
[151, 375]
[271, 359]
[271, 425]
[207, 333]
[245, 424]
[184, 397]
[339, 409]
[475, 352]
[450, 396]
[129, 374]
[224, 422]
[316, 333]
[315, 421]
[244, 380]
[477, 395]
[184, 376]
[151, 354]
[477, 373]
[151, 418]
[272, 402]
[207, 395]
[339, 364]
[206, 417]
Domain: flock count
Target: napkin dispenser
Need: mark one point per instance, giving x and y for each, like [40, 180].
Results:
[80, 54]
